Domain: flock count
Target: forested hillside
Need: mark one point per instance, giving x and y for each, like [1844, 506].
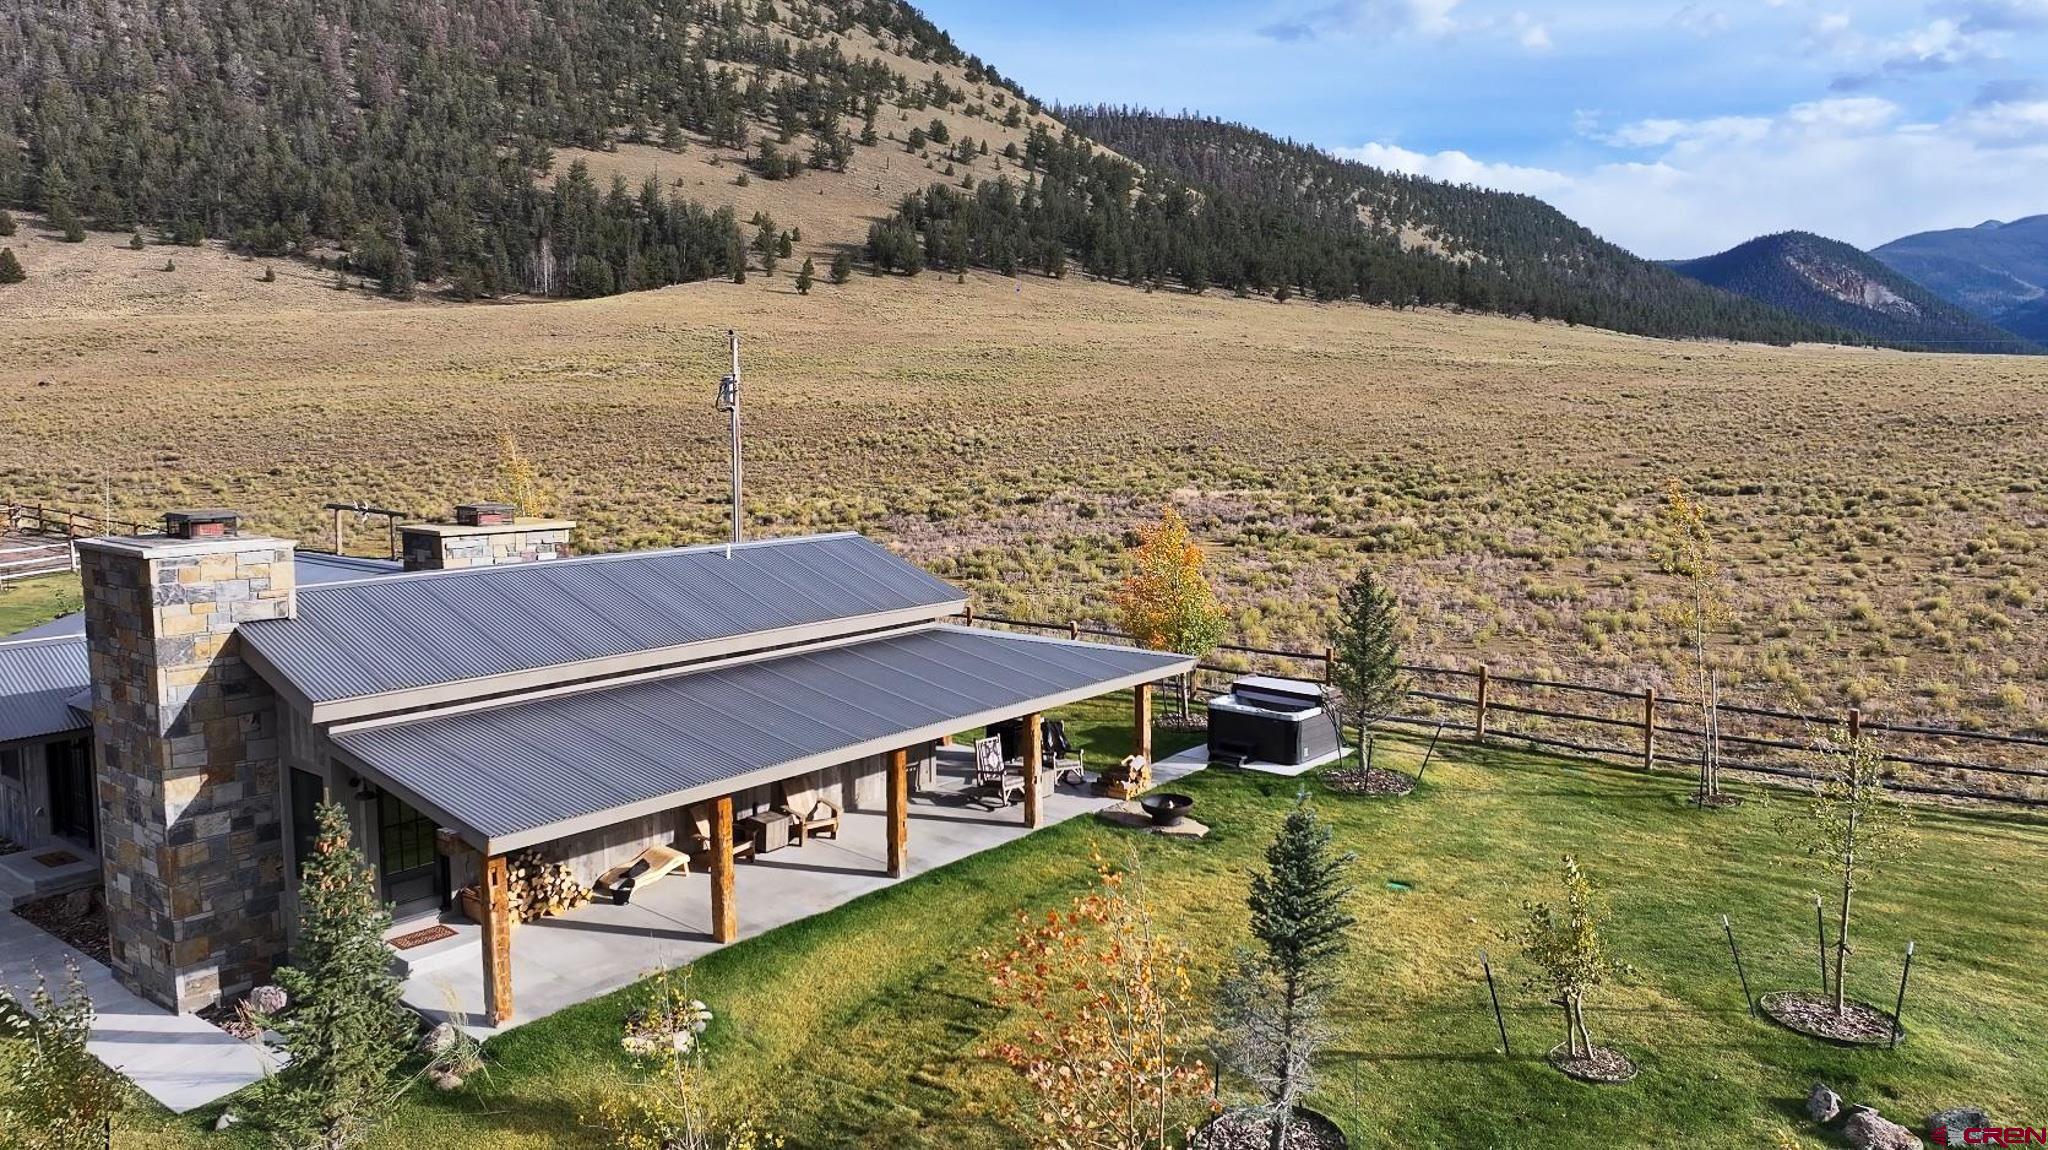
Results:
[411, 132]
[1830, 282]
[1222, 204]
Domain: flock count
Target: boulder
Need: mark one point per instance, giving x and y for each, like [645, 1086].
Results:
[1866, 1129]
[439, 1040]
[227, 1118]
[1958, 1119]
[446, 1081]
[1823, 1104]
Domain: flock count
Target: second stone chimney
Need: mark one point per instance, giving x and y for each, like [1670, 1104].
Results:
[483, 535]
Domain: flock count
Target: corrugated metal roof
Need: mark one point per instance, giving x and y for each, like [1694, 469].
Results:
[526, 768]
[38, 677]
[404, 632]
[310, 568]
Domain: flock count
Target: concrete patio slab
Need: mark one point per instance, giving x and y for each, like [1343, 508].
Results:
[177, 1059]
[598, 948]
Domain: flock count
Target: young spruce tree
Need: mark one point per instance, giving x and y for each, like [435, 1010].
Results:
[1272, 1004]
[1368, 663]
[10, 267]
[344, 1030]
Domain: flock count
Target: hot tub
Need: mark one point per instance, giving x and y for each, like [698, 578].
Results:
[1277, 722]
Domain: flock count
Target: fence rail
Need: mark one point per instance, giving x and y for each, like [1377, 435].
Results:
[1662, 735]
[41, 519]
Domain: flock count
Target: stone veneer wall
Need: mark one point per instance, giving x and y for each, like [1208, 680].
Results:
[187, 757]
[442, 546]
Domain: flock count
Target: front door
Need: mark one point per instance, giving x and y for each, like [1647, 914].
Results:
[406, 856]
[14, 825]
[73, 813]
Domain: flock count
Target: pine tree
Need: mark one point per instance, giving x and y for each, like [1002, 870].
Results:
[135, 243]
[6, 222]
[344, 1029]
[842, 268]
[1367, 669]
[10, 268]
[1272, 1004]
[806, 276]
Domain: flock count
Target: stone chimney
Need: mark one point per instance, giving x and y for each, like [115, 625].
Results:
[186, 750]
[483, 535]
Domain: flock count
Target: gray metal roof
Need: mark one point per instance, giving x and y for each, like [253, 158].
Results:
[38, 677]
[517, 773]
[310, 568]
[407, 632]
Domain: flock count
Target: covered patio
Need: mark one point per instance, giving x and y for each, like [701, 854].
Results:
[593, 776]
[599, 948]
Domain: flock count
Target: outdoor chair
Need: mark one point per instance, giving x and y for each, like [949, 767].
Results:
[1062, 757]
[821, 819]
[992, 772]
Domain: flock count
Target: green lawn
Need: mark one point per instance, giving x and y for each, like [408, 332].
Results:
[865, 1026]
[26, 602]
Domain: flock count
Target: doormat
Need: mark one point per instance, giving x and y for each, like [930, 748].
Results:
[56, 858]
[422, 937]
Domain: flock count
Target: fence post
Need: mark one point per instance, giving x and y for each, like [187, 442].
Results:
[1855, 724]
[969, 614]
[1329, 665]
[1074, 629]
[1649, 728]
[1479, 723]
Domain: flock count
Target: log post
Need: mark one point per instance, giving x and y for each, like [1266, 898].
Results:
[1479, 723]
[497, 940]
[725, 917]
[899, 813]
[1649, 728]
[1074, 629]
[1329, 665]
[1855, 724]
[1034, 770]
[1141, 722]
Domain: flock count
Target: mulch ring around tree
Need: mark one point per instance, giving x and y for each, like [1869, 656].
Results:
[1372, 781]
[1719, 802]
[1251, 1130]
[1813, 1014]
[1193, 723]
[78, 917]
[1602, 1064]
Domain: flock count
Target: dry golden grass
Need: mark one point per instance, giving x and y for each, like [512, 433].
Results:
[1882, 512]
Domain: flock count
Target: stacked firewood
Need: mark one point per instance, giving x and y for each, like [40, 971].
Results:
[539, 888]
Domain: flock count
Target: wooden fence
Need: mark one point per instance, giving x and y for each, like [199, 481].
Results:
[1647, 731]
[38, 519]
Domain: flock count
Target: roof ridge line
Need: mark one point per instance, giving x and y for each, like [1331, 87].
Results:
[602, 556]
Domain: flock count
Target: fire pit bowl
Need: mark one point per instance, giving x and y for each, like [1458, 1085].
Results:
[1167, 810]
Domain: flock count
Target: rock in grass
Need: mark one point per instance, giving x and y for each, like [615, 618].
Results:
[1823, 1104]
[227, 1118]
[439, 1040]
[1869, 1130]
[1957, 1119]
[447, 1081]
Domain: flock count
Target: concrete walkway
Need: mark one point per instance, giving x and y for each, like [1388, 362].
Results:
[177, 1059]
[599, 948]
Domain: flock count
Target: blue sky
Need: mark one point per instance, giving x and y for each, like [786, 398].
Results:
[1674, 127]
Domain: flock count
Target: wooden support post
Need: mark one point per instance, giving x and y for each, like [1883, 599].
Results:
[1141, 722]
[1479, 723]
[497, 940]
[1329, 664]
[337, 531]
[1034, 770]
[899, 813]
[725, 915]
[1074, 629]
[1649, 728]
[1855, 724]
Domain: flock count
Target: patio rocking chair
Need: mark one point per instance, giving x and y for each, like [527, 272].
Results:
[992, 772]
[1062, 757]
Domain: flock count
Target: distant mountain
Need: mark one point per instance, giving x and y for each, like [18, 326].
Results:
[1996, 271]
[1828, 282]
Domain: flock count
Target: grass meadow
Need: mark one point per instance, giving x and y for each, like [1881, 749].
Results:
[867, 1026]
[1882, 517]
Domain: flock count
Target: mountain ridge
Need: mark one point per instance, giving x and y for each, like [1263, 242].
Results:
[1997, 271]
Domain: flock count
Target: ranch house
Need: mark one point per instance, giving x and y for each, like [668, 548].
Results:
[493, 705]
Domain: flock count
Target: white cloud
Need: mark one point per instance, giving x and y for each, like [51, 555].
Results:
[1701, 20]
[1999, 15]
[1853, 167]
[1457, 168]
[1430, 19]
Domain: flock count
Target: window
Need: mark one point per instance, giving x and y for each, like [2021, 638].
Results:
[307, 792]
